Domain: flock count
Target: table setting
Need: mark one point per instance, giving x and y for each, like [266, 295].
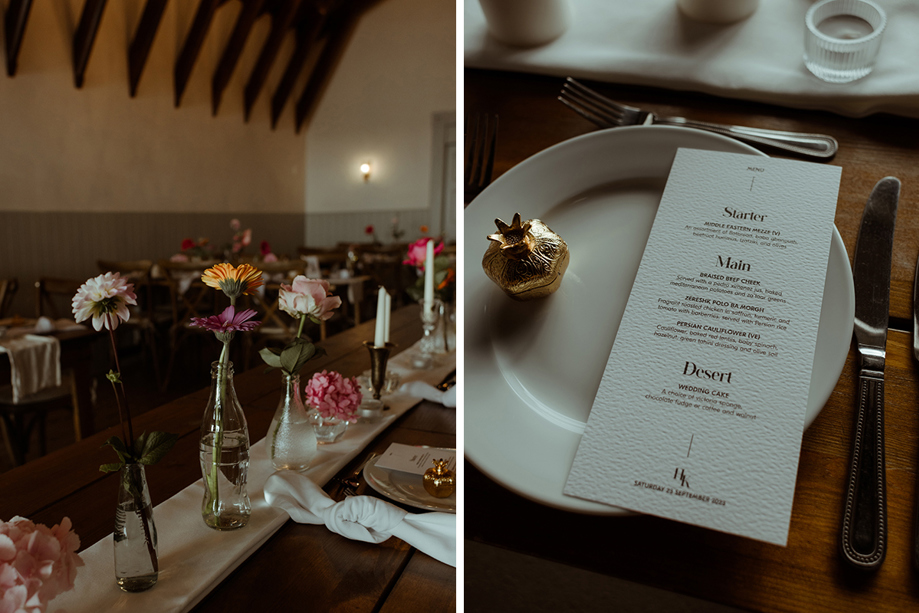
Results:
[173, 552]
[569, 412]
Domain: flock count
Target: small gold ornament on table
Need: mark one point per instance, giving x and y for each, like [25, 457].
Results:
[526, 260]
[439, 480]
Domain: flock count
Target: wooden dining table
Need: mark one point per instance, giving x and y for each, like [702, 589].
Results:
[301, 567]
[675, 558]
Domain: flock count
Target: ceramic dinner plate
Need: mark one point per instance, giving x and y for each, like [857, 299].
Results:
[532, 369]
[406, 488]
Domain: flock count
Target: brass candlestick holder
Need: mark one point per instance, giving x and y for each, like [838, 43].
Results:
[378, 358]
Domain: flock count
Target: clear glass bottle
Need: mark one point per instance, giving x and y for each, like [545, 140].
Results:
[291, 439]
[224, 454]
[136, 565]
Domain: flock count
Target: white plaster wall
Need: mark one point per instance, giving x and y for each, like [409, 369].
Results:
[397, 71]
[96, 149]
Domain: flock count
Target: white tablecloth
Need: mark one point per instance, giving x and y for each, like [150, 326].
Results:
[650, 42]
[194, 558]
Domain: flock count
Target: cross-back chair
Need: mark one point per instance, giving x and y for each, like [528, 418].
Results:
[19, 419]
[142, 319]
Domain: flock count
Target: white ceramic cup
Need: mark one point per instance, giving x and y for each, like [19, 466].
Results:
[526, 23]
[718, 11]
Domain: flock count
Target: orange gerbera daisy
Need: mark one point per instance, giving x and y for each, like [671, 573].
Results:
[234, 282]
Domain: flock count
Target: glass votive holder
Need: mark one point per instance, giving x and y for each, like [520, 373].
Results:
[842, 39]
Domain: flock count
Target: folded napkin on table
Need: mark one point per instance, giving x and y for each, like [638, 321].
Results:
[759, 58]
[363, 518]
[35, 363]
[420, 389]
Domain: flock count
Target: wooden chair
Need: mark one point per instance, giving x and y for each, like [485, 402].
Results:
[143, 318]
[8, 289]
[189, 297]
[19, 419]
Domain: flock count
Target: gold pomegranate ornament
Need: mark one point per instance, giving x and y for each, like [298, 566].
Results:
[439, 481]
[526, 260]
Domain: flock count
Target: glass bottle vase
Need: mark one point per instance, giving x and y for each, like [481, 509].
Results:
[224, 454]
[136, 564]
[291, 439]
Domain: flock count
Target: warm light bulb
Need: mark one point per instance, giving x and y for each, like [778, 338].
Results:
[365, 170]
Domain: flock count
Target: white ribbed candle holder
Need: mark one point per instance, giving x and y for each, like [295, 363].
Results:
[842, 39]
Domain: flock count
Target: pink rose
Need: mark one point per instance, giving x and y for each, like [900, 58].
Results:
[418, 251]
[270, 257]
[308, 297]
[334, 396]
[247, 237]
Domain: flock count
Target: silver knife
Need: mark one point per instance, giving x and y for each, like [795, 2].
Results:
[863, 541]
[916, 355]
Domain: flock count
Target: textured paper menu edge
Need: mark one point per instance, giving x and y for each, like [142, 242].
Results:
[592, 477]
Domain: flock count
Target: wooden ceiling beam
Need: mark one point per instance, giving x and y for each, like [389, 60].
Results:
[192, 45]
[281, 22]
[307, 33]
[340, 31]
[85, 36]
[143, 40]
[17, 14]
[251, 10]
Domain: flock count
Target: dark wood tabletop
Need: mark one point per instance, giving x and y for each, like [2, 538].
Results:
[300, 563]
[808, 574]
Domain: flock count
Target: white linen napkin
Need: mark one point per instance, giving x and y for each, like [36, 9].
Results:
[363, 518]
[427, 391]
[35, 363]
[760, 58]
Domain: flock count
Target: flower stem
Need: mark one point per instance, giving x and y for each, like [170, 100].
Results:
[221, 399]
[300, 327]
[121, 400]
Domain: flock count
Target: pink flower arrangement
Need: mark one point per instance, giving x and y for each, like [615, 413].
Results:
[334, 396]
[417, 252]
[36, 564]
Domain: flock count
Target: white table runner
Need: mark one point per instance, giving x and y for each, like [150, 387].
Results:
[650, 42]
[194, 558]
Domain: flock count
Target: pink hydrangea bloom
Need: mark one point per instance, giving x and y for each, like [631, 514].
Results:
[104, 298]
[36, 564]
[334, 396]
[308, 297]
[418, 251]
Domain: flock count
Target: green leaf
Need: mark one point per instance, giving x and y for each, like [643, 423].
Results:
[120, 449]
[297, 353]
[270, 357]
[156, 446]
[111, 468]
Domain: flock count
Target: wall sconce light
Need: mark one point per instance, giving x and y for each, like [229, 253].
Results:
[365, 170]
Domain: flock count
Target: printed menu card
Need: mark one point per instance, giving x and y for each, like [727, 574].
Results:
[701, 407]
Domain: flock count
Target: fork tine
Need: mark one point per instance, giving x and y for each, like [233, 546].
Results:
[600, 99]
[590, 110]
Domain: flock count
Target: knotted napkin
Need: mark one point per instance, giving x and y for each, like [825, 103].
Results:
[420, 389]
[362, 518]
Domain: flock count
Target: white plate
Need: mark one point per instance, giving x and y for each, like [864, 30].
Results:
[532, 369]
[406, 488]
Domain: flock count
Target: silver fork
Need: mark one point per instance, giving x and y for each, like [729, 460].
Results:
[606, 113]
[481, 135]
